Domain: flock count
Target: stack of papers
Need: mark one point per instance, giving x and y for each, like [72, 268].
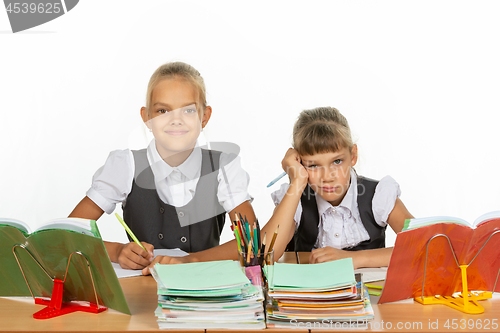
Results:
[214, 294]
[317, 296]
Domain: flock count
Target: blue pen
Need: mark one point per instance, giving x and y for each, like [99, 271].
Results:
[276, 179]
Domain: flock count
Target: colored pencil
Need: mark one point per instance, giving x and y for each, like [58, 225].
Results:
[249, 252]
[240, 228]
[235, 231]
[276, 179]
[274, 239]
[256, 247]
[131, 234]
[258, 235]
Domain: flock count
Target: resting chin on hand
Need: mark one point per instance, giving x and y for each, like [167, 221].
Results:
[166, 260]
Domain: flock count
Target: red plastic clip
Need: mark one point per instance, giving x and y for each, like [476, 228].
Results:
[56, 307]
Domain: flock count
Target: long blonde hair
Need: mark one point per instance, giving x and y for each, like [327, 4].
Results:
[321, 130]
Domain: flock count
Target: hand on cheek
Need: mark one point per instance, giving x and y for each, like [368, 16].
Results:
[291, 164]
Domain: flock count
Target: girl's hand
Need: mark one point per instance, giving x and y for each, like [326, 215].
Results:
[132, 256]
[329, 254]
[165, 260]
[291, 164]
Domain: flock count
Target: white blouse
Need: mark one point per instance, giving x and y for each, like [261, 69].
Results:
[112, 183]
[341, 226]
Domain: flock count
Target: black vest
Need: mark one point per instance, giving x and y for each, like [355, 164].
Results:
[194, 227]
[306, 235]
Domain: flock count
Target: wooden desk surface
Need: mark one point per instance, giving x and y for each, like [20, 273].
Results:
[16, 315]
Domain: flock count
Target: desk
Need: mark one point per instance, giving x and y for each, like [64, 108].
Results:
[16, 315]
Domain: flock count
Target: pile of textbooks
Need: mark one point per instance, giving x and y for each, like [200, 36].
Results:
[324, 295]
[214, 294]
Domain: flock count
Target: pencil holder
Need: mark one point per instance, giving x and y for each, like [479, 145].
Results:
[259, 268]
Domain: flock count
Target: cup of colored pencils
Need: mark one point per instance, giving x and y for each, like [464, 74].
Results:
[255, 259]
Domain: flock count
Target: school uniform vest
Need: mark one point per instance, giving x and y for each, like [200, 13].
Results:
[306, 235]
[193, 227]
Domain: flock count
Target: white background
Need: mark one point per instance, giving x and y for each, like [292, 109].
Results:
[418, 81]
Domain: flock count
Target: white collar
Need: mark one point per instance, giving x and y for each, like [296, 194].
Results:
[190, 168]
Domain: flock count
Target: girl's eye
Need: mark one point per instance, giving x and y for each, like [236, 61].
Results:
[162, 111]
[337, 162]
[312, 166]
[190, 110]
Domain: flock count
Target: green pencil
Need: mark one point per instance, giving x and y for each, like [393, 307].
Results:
[236, 235]
[256, 244]
[131, 234]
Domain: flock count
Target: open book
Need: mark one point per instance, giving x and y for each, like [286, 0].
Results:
[43, 255]
[73, 224]
[424, 221]
[475, 244]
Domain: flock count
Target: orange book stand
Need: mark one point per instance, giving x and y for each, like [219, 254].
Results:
[466, 301]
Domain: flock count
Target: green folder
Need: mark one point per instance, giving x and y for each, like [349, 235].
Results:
[52, 248]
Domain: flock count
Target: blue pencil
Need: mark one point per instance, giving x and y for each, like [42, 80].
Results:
[276, 179]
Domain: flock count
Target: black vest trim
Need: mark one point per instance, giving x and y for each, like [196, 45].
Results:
[306, 235]
[193, 227]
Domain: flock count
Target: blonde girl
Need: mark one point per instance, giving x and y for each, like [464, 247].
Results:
[173, 193]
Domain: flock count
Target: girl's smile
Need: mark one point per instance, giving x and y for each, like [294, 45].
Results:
[174, 119]
[176, 133]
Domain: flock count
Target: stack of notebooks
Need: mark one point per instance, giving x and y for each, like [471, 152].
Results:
[214, 294]
[317, 296]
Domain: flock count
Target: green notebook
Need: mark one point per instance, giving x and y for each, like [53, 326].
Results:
[326, 275]
[201, 277]
[51, 245]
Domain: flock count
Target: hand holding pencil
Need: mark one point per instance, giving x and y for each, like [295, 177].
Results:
[134, 255]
